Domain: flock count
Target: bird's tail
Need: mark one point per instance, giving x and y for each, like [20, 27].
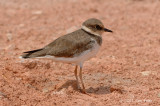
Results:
[31, 54]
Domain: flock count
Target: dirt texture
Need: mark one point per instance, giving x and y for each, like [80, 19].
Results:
[125, 72]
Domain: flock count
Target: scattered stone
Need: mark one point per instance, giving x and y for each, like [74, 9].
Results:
[48, 87]
[90, 90]
[94, 10]
[112, 57]
[2, 95]
[74, 0]
[47, 66]
[18, 79]
[45, 90]
[117, 89]
[145, 73]
[61, 92]
[38, 12]
[10, 47]
[70, 89]
[158, 95]
[9, 36]
[34, 18]
[31, 65]
[21, 25]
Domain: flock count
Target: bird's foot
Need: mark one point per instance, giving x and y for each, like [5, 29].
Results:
[83, 91]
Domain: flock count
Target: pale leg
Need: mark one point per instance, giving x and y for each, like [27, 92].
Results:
[80, 76]
[75, 73]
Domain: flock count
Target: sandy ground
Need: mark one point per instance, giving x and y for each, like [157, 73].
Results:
[125, 72]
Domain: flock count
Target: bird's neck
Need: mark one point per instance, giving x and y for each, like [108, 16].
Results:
[90, 31]
[98, 38]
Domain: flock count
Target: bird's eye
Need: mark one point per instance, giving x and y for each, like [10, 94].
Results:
[98, 27]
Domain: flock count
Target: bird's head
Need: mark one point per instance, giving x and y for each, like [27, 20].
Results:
[94, 26]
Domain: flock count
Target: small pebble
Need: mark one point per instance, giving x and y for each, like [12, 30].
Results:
[145, 73]
[38, 12]
[158, 95]
[9, 36]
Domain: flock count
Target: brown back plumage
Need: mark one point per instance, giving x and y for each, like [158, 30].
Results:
[67, 45]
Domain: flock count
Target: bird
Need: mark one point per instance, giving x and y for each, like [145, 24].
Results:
[75, 47]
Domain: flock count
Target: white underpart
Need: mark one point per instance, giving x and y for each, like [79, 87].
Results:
[90, 31]
[77, 59]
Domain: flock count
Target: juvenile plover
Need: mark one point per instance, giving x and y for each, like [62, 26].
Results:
[75, 47]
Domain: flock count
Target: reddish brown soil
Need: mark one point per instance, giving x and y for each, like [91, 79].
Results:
[125, 72]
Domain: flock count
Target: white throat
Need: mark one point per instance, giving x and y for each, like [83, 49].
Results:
[90, 31]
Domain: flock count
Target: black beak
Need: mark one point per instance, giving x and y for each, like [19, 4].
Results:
[107, 30]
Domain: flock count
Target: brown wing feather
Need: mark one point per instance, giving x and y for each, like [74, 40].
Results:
[65, 46]
[69, 45]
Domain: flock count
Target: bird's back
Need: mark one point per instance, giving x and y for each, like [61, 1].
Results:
[66, 46]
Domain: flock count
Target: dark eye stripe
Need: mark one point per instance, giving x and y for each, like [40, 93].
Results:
[98, 27]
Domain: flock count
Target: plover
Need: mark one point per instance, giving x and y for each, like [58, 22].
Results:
[76, 47]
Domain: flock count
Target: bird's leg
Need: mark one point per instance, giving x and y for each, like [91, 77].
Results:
[80, 75]
[75, 73]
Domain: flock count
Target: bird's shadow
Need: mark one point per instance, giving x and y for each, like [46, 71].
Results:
[98, 90]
